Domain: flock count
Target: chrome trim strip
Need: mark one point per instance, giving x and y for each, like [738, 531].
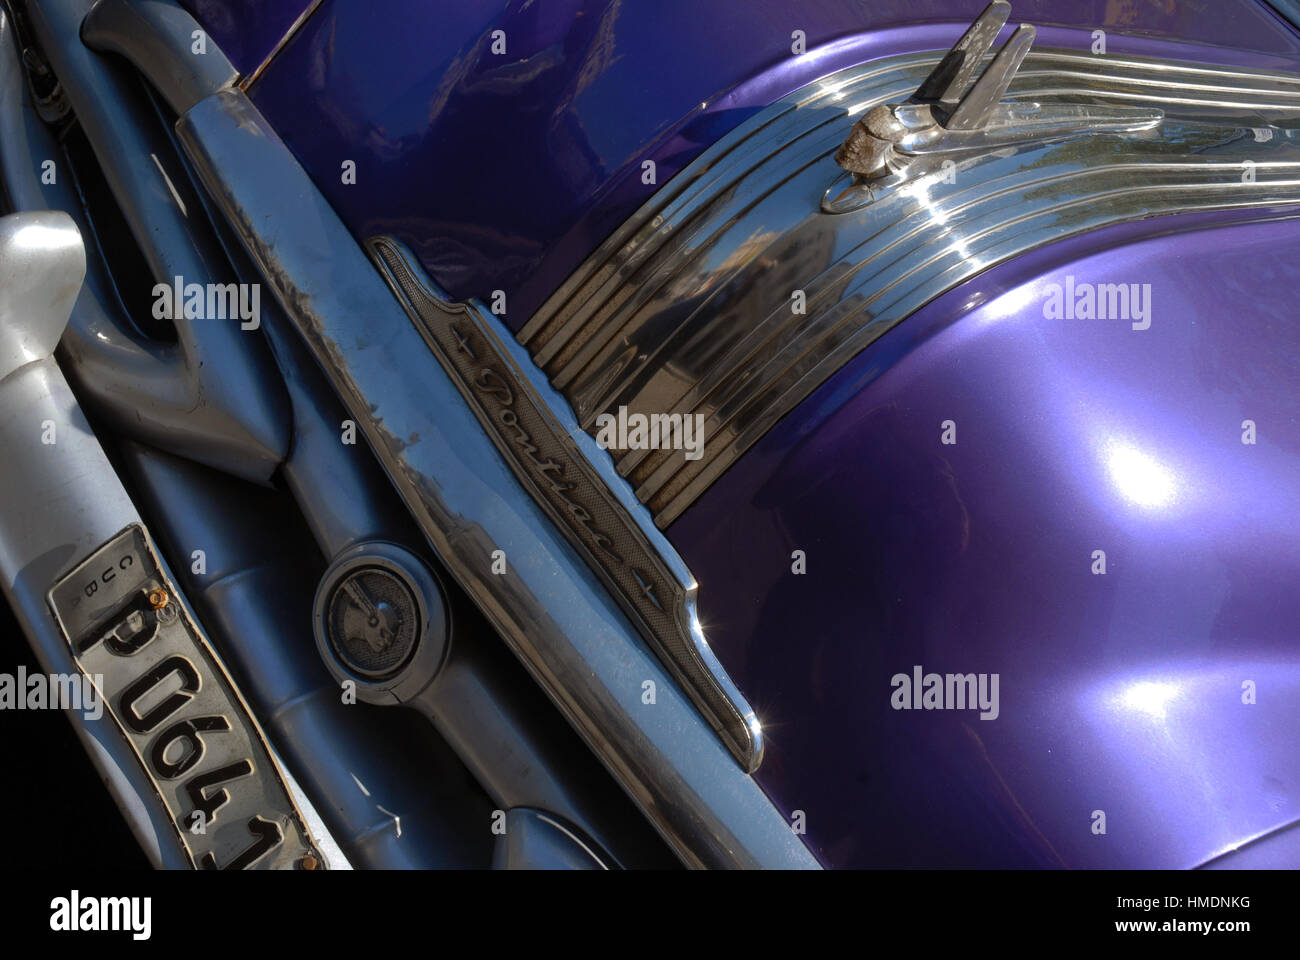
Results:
[1288, 10]
[550, 607]
[687, 308]
[283, 42]
[577, 487]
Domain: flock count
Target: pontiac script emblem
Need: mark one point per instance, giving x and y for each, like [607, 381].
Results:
[558, 475]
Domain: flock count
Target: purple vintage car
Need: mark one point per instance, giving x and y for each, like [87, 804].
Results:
[595, 433]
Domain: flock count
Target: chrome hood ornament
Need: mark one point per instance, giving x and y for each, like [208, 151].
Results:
[944, 117]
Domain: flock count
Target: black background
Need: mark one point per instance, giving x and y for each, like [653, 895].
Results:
[58, 810]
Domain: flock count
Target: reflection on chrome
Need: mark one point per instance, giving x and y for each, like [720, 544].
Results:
[1140, 478]
[920, 191]
[34, 236]
[686, 308]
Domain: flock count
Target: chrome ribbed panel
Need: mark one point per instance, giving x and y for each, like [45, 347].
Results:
[688, 309]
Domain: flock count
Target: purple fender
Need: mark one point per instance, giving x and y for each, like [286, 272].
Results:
[1125, 692]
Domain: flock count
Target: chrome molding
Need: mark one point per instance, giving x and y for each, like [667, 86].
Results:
[551, 608]
[686, 309]
[634, 558]
[1288, 10]
[147, 32]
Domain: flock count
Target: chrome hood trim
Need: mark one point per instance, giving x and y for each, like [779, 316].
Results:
[686, 309]
[575, 482]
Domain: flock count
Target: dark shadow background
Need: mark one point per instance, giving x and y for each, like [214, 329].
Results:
[59, 812]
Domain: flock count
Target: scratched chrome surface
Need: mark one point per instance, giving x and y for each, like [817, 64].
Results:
[688, 307]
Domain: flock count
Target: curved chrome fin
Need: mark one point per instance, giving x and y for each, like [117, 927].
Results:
[943, 116]
[953, 74]
[976, 108]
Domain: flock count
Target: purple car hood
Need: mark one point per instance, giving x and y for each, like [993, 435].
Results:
[1101, 515]
[1162, 693]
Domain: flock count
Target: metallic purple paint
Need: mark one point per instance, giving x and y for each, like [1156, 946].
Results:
[505, 172]
[1120, 693]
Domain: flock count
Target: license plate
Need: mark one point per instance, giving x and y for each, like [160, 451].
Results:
[179, 710]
